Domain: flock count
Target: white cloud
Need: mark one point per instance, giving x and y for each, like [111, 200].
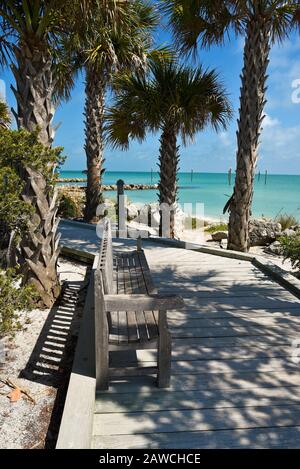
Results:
[270, 122]
[284, 69]
[2, 90]
[280, 142]
[225, 139]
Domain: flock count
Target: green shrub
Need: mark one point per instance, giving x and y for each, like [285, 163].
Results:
[13, 299]
[20, 149]
[286, 221]
[291, 249]
[69, 207]
[190, 221]
[4, 114]
[217, 227]
[14, 212]
[194, 222]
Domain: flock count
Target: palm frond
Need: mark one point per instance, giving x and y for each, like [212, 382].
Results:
[207, 22]
[203, 22]
[169, 94]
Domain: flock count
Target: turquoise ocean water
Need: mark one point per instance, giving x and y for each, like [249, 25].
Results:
[280, 194]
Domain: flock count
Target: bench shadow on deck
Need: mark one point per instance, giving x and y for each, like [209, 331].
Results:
[233, 381]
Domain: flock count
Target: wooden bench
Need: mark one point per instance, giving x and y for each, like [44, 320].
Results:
[129, 312]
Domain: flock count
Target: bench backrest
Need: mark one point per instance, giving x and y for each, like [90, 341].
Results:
[105, 265]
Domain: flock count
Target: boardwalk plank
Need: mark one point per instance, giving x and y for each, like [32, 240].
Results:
[236, 439]
[230, 380]
[196, 420]
[197, 399]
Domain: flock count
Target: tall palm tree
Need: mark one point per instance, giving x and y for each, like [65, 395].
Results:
[174, 100]
[30, 30]
[262, 23]
[110, 42]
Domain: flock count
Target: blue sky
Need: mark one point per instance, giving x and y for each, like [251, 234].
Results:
[210, 152]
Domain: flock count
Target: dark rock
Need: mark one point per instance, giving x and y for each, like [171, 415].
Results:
[264, 232]
[219, 235]
[274, 248]
[288, 232]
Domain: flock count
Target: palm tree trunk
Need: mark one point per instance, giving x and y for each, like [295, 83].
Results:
[38, 250]
[94, 120]
[34, 89]
[168, 166]
[254, 76]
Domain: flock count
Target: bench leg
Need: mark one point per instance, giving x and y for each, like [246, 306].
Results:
[164, 352]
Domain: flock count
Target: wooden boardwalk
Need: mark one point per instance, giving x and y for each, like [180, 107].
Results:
[234, 383]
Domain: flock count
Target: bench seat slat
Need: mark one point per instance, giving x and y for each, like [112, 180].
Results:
[122, 325]
[126, 275]
[132, 326]
[150, 287]
[142, 288]
[142, 328]
[151, 324]
[120, 276]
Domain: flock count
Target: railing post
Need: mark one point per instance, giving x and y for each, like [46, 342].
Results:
[149, 213]
[121, 210]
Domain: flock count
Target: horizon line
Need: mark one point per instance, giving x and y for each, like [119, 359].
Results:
[180, 172]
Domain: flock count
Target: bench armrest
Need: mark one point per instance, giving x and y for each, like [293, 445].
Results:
[142, 302]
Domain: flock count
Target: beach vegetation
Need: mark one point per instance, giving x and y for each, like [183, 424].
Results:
[21, 149]
[14, 299]
[4, 115]
[69, 207]
[174, 100]
[14, 212]
[286, 221]
[291, 250]
[27, 209]
[262, 23]
[190, 222]
[217, 227]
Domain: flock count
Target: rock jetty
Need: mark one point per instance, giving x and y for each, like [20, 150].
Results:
[110, 187]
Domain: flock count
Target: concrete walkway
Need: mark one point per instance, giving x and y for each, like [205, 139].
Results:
[76, 235]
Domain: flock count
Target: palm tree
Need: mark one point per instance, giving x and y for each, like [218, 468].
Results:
[108, 43]
[30, 30]
[174, 100]
[262, 23]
